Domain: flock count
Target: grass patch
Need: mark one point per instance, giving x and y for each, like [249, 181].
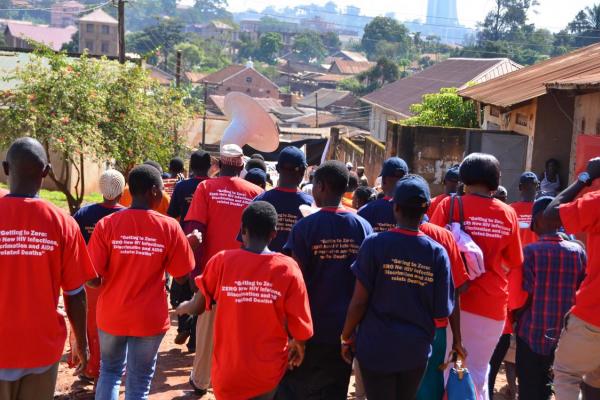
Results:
[60, 200]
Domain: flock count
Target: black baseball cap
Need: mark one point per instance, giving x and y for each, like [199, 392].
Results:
[413, 191]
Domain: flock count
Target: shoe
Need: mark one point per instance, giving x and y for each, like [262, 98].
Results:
[182, 337]
[191, 349]
[197, 390]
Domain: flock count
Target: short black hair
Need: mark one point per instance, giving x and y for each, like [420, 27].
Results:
[142, 178]
[333, 174]
[552, 160]
[26, 154]
[352, 182]
[260, 219]
[154, 164]
[176, 165]
[257, 156]
[255, 163]
[480, 169]
[364, 193]
[200, 160]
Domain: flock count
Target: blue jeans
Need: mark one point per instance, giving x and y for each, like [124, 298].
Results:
[138, 353]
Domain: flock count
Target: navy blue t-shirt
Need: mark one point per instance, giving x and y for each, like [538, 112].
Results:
[380, 214]
[325, 244]
[287, 202]
[182, 197]
[407, 275]
[88, 216]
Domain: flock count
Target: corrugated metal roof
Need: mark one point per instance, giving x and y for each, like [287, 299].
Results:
[590, 81]
[530, 82]
[350, 67]
[398, 96]
[324, 97]
[224, 74]
[48, 35]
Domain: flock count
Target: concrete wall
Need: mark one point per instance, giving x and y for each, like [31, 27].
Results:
[97, 37]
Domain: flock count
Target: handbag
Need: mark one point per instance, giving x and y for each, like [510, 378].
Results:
[460, 384]
[471, 253]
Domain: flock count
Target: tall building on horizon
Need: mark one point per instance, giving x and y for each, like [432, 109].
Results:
[442, 12]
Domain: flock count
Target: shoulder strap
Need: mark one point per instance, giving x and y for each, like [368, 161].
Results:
[451, 215]
[461, 213]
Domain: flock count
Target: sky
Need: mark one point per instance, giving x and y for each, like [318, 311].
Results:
[550, 14]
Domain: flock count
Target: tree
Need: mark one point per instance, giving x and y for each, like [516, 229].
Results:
[384, 71]
[90, 109]
[309, 46]
[73, 45]
[586, 26]
[208, 10]
[445, 108]
[192, 56]
[160, 38]
[270, 44]
[332, 42]
[506, 19]
[385, 29]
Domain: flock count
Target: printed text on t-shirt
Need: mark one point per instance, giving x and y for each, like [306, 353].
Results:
[408, 272]
[24, 242]
[285, 222]
[138, 245]
[335, 249]
[252, 292]
[230, 198]
[487, 227]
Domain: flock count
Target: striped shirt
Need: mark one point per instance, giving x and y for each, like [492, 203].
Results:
[552, 272]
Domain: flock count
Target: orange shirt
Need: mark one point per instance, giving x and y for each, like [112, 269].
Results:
[524, 210]
[435, 202]
[218, 203]
[583, 216]
[41, 252]
[457, 266]
[347, 200]
[162, 207]
[493, 225]
[259, 295]
[132, 250]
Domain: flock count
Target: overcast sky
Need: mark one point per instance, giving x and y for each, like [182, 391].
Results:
[550, 14]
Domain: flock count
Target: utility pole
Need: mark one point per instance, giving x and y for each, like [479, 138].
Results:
[204, 115]
[121, 6]
[178, 69]
[316, 110]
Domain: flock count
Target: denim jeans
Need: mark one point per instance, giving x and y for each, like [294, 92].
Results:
[138, 353]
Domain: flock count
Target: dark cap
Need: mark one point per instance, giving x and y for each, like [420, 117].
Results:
[413, 191]
[528, 177]
[256, 176]
[394, 166]
[539, 206]
[453, 174]
[293, 157]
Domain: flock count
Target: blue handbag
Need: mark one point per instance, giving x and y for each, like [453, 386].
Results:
[460, 384]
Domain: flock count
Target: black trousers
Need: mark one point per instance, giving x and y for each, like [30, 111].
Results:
[185, 323]
[398, 386]
[323, 375]
[533, 372]
[497, 358]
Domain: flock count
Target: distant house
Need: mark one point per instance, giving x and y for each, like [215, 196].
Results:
[98, 34]
[240, 78]
[255, 28]
[17, 34]
[345, 67]
[347, 55]
[194, 78]
[393, 101]
[65, 13]
[328, 99]
[216, 31]
[163, 77]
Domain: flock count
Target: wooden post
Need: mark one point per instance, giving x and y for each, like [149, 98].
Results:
[204, 116]
[178, 69]
[316, 110]
[334, 139]
[122, 31]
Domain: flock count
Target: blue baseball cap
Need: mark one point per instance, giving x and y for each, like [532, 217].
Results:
[453, 174]
[394, 166]
[256, 176]
[292, 157]
[539, 206]
[412, 190]
[528, 177]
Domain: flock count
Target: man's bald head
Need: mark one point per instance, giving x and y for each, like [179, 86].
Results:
[26, 164]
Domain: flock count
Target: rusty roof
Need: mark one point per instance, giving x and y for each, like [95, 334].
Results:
[323, 98]
[350, 67]
[530, 82]
[224, 74]
[195, 77]
[591, 81]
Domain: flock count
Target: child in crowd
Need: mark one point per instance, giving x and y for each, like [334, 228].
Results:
[553, 270]
[347, 200]
[362, 196]
[286, 198]
[258, 177]
[41, 254]
[251, 285]
[175, 175]
[112, 184]
[451, 180]
[403, 283]
[325, 244]
[501, 194]
[132, 251]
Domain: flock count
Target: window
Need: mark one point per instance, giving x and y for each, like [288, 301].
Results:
[89, 44]
[105, 47]
[105, 29]
[89, 28]
[249, 79]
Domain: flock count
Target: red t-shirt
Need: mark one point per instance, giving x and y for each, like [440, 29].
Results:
[132, 250]
[41, 252]
[258, 296]
[524, 210]
[435, 202]
[457, 266]
[218, 204]
[583, 216]
[493, 225]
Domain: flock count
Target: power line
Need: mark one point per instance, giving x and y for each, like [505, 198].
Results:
[95, 7]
